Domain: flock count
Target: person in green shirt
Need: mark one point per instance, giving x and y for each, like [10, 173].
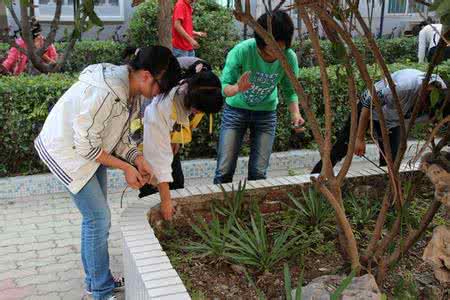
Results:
[250, 81]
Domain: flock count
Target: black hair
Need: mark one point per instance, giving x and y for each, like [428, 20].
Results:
[204, 92]
[159, 61]
[192, 69]
[35, 28]
[282, 28]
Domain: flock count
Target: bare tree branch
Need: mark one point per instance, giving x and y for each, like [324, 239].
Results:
[53, 27]
[14, 16]
[342, 221]
[327, 167]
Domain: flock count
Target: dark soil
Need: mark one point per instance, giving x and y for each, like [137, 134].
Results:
[208, 278]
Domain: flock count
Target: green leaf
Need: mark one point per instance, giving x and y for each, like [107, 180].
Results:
[434, 97]
[344, 284]
[287, 282]
[298, 292]
[338, 50]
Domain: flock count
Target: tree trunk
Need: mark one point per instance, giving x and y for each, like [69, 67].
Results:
[165, 23]
[3, 18]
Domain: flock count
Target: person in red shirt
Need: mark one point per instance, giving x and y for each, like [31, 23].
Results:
[183, 34]
[16, 61]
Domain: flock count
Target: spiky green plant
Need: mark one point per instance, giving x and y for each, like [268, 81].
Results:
[313, 210]
[251, 245]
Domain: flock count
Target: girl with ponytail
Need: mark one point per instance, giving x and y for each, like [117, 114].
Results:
[87, 131]
[169, 119]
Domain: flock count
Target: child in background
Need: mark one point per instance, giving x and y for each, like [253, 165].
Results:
[16, 61]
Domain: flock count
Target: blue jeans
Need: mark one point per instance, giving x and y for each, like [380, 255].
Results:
[182, 53]
[235, 122]
[93, 206]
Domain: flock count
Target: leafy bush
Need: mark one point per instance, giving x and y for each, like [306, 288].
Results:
[220, 25]
[403, 48]
[143, 26]
[25, 102]
[222, 36]
[210, 17]
[85, 53]
[92, 52]
[21, 97]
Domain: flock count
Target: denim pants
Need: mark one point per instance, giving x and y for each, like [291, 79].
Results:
[182, 53]
[93, 206]
[235, 122]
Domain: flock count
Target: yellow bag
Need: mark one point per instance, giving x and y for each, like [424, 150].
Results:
[183, 134]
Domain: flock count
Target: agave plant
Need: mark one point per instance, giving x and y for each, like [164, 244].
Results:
[233, 203]
[213, 237]
[313, 210]
[251, 245]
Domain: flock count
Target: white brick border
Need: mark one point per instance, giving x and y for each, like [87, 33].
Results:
[43, 184]
[148, 272]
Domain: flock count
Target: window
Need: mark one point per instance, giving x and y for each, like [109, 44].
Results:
[405, 7]
[107, 10]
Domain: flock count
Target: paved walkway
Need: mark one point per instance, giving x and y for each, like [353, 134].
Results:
[40, 245]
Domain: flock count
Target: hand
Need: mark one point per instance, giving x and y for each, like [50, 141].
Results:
[201, 34]
[244, 83]
[360, 147]
[39, 42]
[195, 44]
[144, 168]
[297, 122]
[133, 178]
[167, 210]
[3, 70]
[175, 148]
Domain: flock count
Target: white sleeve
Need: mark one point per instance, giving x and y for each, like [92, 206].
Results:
[157, 149]
[422, 45]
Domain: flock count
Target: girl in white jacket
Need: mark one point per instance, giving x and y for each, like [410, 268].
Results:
[167, 114]
[87, 131]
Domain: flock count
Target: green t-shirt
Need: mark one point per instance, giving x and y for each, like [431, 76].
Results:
[265, 77]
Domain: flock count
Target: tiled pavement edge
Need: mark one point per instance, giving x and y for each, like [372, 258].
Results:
[194, 170]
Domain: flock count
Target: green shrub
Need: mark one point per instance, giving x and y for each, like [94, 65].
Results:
[222, 36]
[396, 49]
[143, 26]
[24, 103]
[220, 25]
[87, 52]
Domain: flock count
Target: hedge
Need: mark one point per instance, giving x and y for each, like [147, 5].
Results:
[25, 101]
[396, 49]
[214, 48]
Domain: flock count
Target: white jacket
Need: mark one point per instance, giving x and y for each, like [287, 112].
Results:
[92, 115]
[429, 37]
[159, 122]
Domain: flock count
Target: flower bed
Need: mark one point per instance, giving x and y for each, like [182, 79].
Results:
[300, 233]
